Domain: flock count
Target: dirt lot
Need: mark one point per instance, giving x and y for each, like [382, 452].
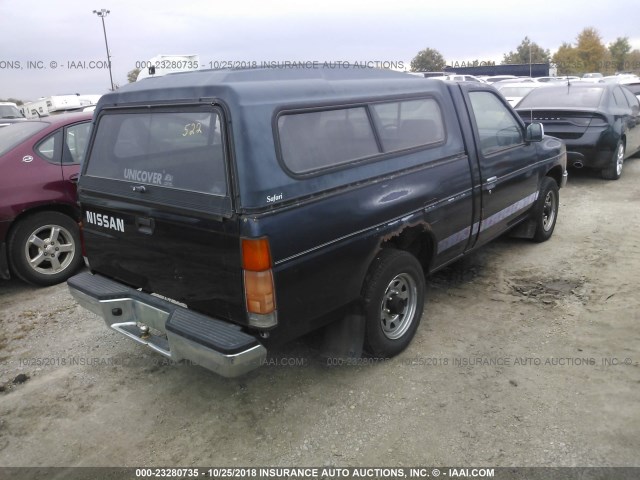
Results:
[527, 356]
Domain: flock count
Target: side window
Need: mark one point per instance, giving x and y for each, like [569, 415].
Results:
[50, 148]
[312, 141]
[632, 100]
[497, 127]
[76, 138]
[409, 124]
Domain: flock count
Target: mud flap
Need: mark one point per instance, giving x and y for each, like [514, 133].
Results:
[344, 338]
[526, 229]
[4, 264]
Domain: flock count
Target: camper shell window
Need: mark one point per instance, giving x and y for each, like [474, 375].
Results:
[312, 141]
[316, 140]
[409, 124]
[174, 149]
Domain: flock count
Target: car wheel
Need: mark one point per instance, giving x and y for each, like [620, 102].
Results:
[614, 170]
[545, 212]
[393, 302]
[44, 248]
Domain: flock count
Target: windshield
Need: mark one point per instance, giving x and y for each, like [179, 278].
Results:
[9, 111]
[563, 97]
[13, 135]
[180, 150]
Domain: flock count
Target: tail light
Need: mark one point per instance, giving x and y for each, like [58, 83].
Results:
[259, 291]
[599, 121]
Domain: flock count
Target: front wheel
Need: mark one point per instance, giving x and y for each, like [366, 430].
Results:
[545, 212]
[393, 302]
[44, 248]
[614, 170]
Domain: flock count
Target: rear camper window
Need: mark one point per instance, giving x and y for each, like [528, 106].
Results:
[181, 150]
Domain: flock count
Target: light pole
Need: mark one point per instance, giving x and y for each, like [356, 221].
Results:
[103, 13]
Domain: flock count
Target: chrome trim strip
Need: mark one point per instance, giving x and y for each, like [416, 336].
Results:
[486, 223]
[429, 207]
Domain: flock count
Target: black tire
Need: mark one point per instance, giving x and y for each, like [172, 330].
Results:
[391, 321]
[545, 212]
[614, 170]
[35, 238]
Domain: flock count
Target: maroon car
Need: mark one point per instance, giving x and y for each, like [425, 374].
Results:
[40, 162]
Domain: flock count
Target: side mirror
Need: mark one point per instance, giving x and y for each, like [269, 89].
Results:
[534, 133]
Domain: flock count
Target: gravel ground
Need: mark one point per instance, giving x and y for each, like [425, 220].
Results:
[527, 356]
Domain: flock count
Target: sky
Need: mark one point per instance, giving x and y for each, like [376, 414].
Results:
[57, 47]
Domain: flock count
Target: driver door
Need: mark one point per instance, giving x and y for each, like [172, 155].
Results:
[506, 161]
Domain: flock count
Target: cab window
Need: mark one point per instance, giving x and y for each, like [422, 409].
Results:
[497, 127]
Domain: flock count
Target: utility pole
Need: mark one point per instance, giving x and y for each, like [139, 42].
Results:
[103, 13]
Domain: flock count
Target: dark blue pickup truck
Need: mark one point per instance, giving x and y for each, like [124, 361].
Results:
[225, 212]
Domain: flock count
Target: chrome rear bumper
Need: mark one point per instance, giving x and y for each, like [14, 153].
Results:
[170, 330]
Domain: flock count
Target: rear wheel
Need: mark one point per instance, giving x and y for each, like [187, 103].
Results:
[44, 248]
[545, 213]
[393, 302]
[614, 170]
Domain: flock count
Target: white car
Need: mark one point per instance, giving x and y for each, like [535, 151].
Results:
[462, 78]
[622, 78]
[557, 79]
[513, 92]
[499, 78]
[429, 74]
[9, 113]
[592, 77]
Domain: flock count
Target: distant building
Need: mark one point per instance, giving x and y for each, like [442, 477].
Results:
[519, 70]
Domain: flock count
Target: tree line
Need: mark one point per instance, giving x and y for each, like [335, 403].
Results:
[587, 54]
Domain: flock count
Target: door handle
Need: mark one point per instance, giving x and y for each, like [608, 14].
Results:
[490, 183]
[74, 178]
